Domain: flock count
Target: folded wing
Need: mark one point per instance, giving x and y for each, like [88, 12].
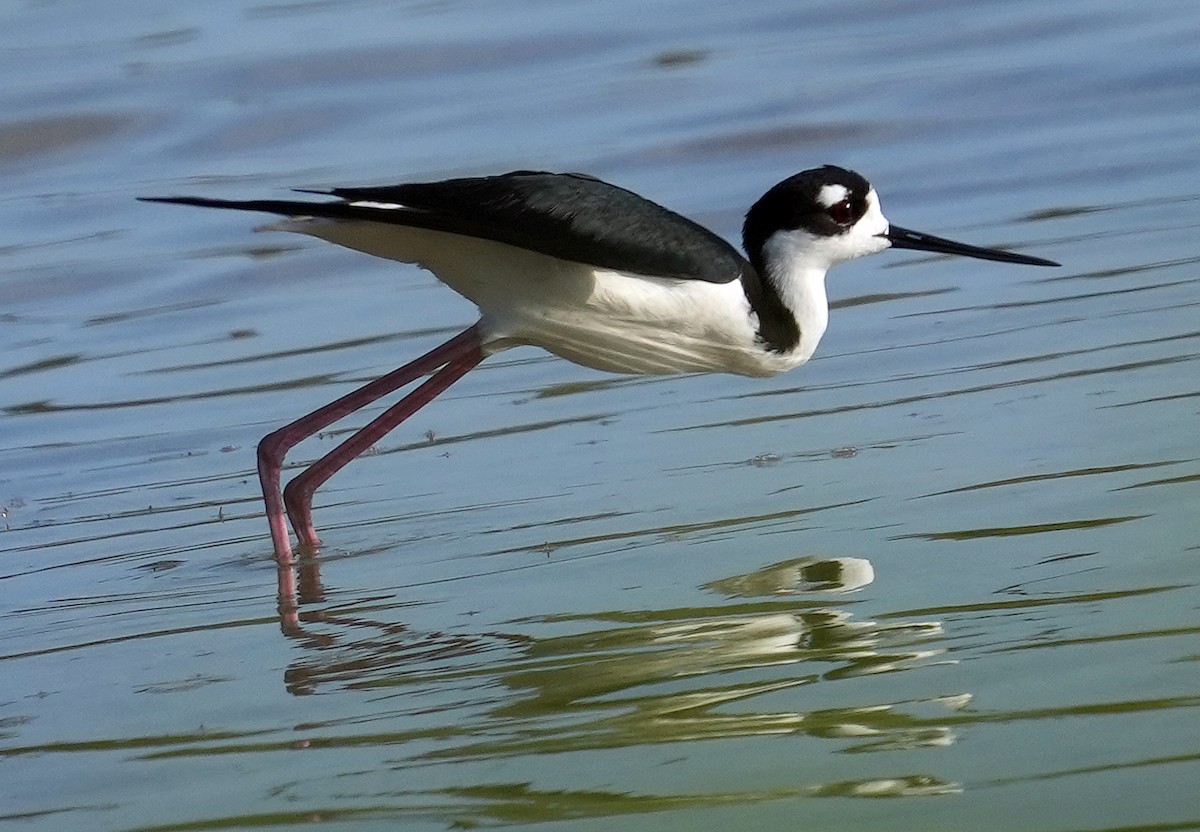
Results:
[566, 215]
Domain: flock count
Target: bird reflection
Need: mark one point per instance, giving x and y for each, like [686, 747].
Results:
[736, 668]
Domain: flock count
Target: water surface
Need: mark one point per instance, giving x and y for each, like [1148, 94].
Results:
[942, 577]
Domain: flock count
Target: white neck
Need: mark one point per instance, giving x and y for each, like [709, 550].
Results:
[799, 278]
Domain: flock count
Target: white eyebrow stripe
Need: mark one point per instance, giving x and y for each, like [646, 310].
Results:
[831, 195]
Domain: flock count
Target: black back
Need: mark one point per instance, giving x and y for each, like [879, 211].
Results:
[567, 215]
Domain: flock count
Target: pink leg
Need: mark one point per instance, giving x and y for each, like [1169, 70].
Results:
[298, 494]
[274, 446]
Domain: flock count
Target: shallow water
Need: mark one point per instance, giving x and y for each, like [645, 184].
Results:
[951, 562]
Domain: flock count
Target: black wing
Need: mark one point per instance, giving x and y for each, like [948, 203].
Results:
[566, 215]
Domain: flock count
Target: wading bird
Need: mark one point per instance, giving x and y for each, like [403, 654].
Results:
[590, 272]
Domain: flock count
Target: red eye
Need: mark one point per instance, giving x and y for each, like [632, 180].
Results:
[841, 212]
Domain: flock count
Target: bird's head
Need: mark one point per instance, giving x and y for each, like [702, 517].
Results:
[825, 216]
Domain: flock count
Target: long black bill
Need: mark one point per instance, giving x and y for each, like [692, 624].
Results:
[903, 238]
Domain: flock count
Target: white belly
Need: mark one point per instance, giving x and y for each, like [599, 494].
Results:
[648, 325]
[606, 320]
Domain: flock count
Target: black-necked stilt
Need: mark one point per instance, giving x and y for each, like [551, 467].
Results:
[593, 273]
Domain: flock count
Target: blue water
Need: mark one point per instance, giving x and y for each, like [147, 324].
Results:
[942, 577]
